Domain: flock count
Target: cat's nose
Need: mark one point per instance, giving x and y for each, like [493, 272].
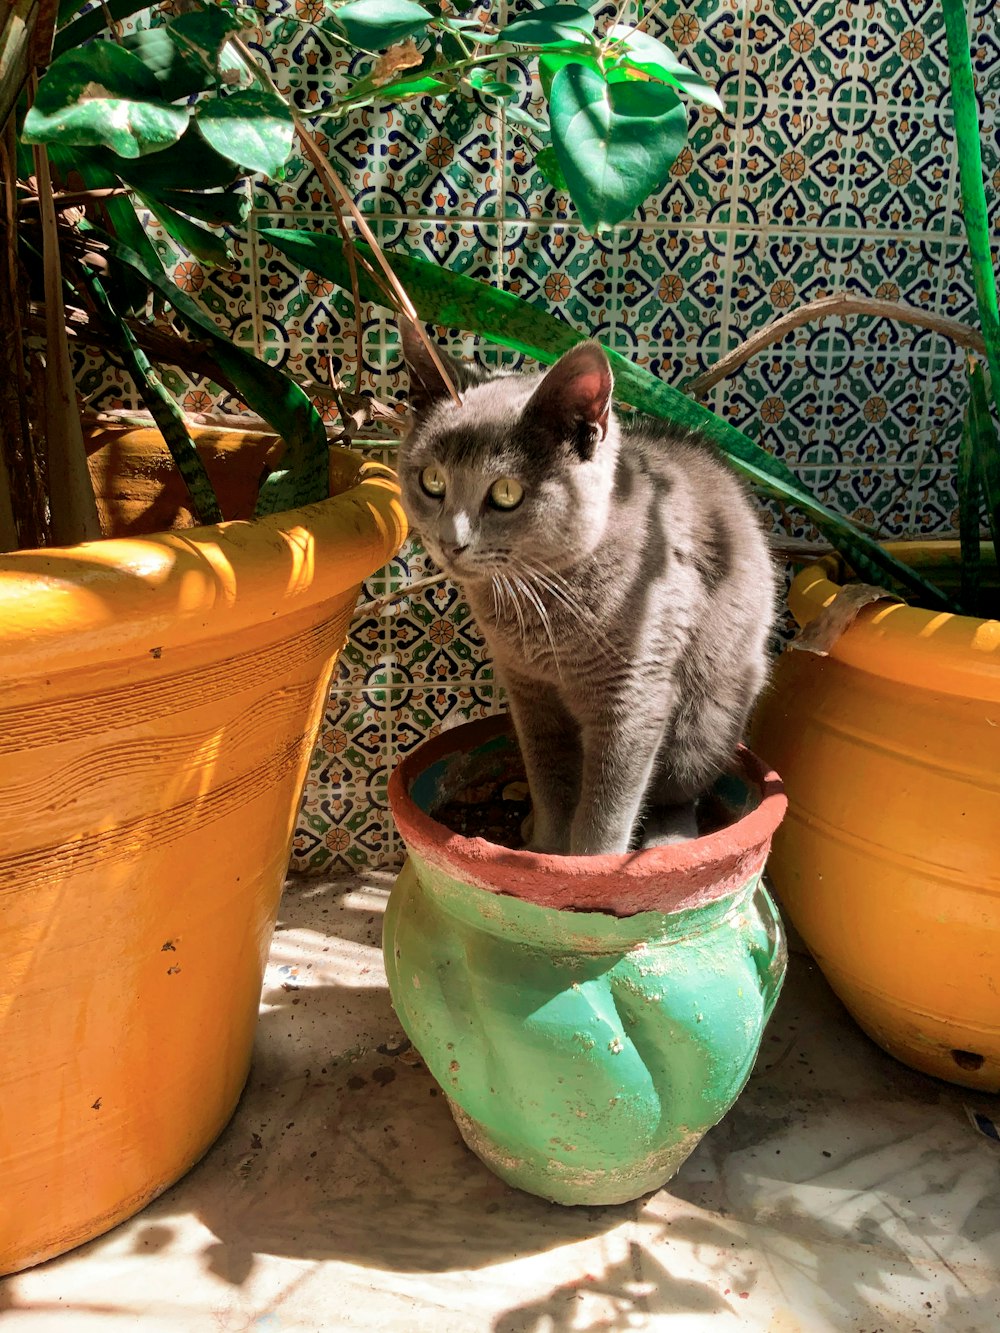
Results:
[451, 550]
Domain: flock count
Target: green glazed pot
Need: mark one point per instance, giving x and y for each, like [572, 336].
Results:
[589, 1018]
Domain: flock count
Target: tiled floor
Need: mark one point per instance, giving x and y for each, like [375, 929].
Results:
[842, 1192]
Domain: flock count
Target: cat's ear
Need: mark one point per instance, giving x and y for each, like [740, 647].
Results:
[575, 397]
[427, 386]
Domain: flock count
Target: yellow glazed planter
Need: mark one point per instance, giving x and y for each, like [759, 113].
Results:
[888, 861]
[161, 697]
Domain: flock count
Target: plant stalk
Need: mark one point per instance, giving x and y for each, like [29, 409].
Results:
[71, 495]
[970, 173]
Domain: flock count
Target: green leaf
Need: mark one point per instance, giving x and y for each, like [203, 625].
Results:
[253, 128]
[204, 245]
[91, 24]
[487, 82]
[189, 160]
[164, 411]
[453, 300]
[377, 24]
[652, 57]
[103, 96]
[615, 143]
[229, 208]
[265, 390]
[183, 56]
[555, 26]
[548, 164]
[975, 215]
[518, 116]
[986, 450]
[550, 63]
[471, 29]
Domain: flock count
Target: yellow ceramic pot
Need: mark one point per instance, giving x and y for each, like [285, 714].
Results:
[161, 697]
[888, 861]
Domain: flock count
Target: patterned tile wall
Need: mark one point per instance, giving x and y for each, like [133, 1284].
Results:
[831, 168]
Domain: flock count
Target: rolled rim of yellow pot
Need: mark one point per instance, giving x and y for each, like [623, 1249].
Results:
[934, 650]
[128, 594]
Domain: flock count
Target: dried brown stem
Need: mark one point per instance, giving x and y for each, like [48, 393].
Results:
[71, 496]
[840, 303]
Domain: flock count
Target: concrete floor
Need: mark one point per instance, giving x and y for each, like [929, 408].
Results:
[843, 1192]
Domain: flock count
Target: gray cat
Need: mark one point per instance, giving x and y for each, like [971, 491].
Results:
[620, 577]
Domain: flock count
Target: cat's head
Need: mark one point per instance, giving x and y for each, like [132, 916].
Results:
[519, 472]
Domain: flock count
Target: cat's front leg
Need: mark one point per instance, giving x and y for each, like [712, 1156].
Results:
[619, 751]
[550, 747]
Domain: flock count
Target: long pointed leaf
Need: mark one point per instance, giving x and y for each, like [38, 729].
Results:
[965, 109]
[986, 451]
[278, 399]
[163, 409]
[455, 301]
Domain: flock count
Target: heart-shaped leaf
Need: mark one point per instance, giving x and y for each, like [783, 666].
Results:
[253, 128]
[652, 57]
[104, 96]
[615, 143]
[376, 24]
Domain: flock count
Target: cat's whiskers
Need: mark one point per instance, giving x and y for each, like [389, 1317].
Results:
[525, 578]
[555, 584]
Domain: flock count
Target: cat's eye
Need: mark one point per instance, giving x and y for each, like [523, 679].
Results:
[432, 481]
[507, 493]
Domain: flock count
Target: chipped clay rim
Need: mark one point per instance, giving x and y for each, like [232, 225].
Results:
[666, 879]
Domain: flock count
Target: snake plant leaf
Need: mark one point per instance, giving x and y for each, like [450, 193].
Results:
[650, 56]
[986, 451]
[229, 208]
[205, 245]
[455, 301]
[164, 411]
[376, 24]
[103, 95]
[615, 142]
[975, 216]
[266, 390]
[253, 128]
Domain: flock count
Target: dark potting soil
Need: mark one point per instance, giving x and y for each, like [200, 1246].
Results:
[496, 808]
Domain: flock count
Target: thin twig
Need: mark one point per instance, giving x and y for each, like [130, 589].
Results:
[70, 198]
[379, 604]
[331, 181]
[840, 303]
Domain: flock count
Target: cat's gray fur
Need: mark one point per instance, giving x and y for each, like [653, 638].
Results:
[626, 602]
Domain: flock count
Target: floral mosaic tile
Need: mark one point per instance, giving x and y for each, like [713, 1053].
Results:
[563, 270]
[794, 165]
[877, 498]
[433, 638]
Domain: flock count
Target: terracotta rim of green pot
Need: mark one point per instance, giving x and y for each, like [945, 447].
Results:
[661, 879]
